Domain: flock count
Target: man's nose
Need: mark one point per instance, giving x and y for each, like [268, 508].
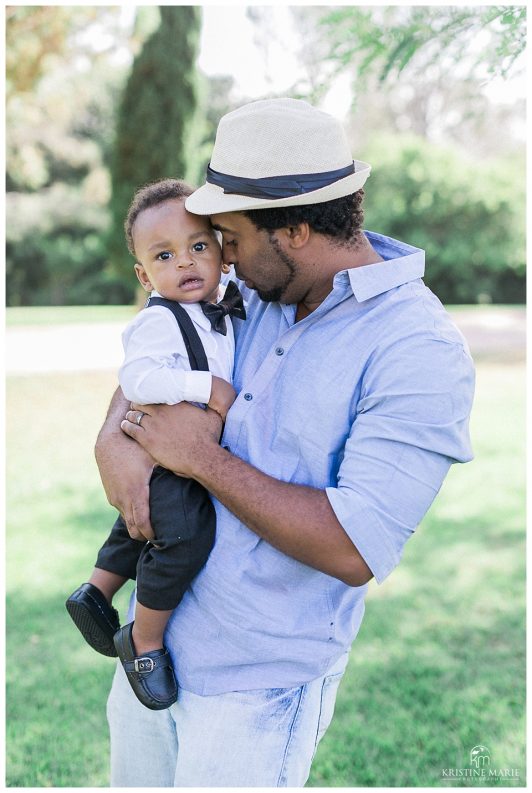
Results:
[228, 253]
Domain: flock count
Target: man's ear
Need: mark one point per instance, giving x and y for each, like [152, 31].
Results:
[142, 275]
[295, 236]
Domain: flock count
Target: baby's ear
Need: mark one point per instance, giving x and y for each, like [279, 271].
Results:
[142, 275]
[225, 268]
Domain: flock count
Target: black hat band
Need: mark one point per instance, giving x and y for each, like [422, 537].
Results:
[277, 186]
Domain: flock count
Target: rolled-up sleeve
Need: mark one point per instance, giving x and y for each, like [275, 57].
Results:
[411, 424]
[156, 368]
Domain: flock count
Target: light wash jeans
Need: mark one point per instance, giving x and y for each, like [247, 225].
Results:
[260, 738]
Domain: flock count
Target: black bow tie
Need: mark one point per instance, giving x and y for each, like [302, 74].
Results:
[232, 305]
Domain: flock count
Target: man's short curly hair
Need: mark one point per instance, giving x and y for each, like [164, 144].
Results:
[340, 219]
[150, 195]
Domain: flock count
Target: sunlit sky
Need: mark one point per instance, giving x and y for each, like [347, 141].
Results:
[229, 45]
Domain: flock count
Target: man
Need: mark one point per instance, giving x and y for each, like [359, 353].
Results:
[354, 396]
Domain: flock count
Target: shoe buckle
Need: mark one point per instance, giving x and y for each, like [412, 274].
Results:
[144, 664]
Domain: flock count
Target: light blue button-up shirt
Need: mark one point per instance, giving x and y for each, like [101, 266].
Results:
[367, 398]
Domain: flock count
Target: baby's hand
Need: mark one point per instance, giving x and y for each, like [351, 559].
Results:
[222, 396]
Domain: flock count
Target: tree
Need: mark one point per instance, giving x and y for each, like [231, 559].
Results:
[62, 82]
[389, 39]
[467, 215]
[38, 38]
[422, 70]
[155, 117]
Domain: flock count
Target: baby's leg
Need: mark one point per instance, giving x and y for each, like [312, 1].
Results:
[108, 583]
[148, 628]
[183, 520]
[90, 605]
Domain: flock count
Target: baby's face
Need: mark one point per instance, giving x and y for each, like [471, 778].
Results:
[177, 253]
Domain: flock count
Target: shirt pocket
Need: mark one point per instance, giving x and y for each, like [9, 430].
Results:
[282, 580]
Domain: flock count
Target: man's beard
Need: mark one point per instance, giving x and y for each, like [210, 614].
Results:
[275, 294]
[272, 295]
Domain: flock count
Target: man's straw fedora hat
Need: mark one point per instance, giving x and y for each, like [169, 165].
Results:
[275, 153]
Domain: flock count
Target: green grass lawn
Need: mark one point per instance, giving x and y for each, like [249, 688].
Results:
[439, 663]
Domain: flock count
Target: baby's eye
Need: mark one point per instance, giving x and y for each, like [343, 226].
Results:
[164, 256]
[198, 247]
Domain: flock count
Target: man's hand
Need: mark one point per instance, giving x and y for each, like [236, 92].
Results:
[222, 396]
[179, 437]
[125, 470]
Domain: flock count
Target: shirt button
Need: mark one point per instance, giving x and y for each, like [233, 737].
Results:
[279, 351]
[248, 397]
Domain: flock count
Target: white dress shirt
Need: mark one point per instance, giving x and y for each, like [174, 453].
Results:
[156, 368]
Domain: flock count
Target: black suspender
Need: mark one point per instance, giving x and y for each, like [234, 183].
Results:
[196, 353]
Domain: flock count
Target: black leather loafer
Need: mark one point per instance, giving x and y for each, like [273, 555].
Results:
[151, 675]
[95, 618]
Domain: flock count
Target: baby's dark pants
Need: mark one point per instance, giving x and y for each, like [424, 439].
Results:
[184, 522]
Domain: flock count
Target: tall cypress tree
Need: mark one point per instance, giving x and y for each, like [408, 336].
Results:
[156, 110]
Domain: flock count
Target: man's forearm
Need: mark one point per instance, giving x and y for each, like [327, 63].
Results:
[297, 520]
[125, 470]
[115, 413]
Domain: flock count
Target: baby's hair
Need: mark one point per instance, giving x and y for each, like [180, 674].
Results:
[151, 195]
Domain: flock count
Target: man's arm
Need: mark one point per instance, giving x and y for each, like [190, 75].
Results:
[125, 470]
[297, 520]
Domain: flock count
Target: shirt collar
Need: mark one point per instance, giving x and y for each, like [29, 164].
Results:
[194, 310]
[402, 263]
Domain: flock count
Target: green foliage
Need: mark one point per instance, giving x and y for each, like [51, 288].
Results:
[53, 247]
[468, 215]
[55, 251]
[65, 81]
[388, 39]
[59, 129]
[38, 36]
[63, 88]
[153, 122]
